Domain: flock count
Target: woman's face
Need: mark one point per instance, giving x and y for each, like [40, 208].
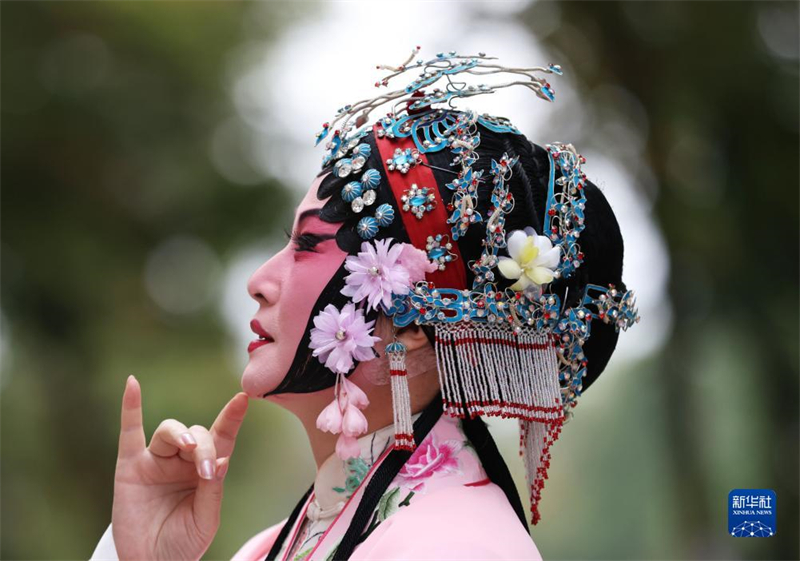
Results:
[286, 288]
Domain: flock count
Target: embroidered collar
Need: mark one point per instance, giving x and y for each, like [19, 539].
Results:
[336, 479]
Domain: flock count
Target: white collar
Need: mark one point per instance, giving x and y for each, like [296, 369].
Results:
[336, 479]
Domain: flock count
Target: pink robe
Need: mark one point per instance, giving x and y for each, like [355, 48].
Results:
[441, 505]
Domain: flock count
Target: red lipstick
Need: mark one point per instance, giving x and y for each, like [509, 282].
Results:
[263, 336]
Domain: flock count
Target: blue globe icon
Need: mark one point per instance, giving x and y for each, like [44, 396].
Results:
[749, 529]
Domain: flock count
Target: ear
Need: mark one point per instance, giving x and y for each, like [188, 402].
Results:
[413, 337]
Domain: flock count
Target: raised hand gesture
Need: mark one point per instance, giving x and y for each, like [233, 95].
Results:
[167, 496]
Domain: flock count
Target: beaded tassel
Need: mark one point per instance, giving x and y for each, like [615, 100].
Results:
[536, 437]
[494, 370]
[401, 401]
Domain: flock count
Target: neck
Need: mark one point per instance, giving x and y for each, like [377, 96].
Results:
[307, 407]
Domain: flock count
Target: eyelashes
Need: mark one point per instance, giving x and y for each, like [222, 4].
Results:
[306, 241]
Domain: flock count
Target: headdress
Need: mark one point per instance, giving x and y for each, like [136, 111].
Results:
[512, 352]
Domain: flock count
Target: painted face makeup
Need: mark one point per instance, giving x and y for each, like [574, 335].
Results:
[287, 287]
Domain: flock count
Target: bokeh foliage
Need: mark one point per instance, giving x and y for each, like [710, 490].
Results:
[107, 112]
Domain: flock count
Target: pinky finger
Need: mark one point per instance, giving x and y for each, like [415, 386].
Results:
[172, 437]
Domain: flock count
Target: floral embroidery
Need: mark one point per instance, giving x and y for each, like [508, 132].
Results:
[444, 458]
[430, 459]
[388, 504]
[356, 469]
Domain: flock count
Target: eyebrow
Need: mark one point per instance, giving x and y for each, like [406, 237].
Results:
[307, 214]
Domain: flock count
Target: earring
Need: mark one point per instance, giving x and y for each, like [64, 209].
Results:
[401, 400]
[343, 416]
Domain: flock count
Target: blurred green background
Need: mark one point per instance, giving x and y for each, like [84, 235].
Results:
[120, 227]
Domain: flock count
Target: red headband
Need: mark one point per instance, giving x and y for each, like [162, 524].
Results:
[433, 222]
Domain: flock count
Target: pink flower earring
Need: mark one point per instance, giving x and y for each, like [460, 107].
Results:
[379, 272]
[338, 339]
[343, 416]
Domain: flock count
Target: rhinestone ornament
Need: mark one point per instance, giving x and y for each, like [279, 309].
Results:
[403, 160]
[438, 250]
[418, 200]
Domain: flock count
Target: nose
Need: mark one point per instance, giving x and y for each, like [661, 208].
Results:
[264, 284]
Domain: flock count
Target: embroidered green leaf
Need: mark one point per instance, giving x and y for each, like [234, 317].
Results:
[303, 555]
[352, 483]
[389, 503]
[383, 510]
[357, 469]
[358, 466]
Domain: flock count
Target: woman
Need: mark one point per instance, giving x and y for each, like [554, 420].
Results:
[413, 297]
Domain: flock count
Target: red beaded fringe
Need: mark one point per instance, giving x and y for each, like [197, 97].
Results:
[535, 441]
[401, 405]
[493, 370]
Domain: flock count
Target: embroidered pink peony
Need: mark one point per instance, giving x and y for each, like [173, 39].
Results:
[429, 459]
[339, 338]
[376, 273]
[416, 263]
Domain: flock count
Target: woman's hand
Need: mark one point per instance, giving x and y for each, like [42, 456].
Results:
[167, 496]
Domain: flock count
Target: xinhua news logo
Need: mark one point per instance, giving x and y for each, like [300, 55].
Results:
[751, 513]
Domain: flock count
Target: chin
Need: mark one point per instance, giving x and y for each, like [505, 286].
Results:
[262, 374]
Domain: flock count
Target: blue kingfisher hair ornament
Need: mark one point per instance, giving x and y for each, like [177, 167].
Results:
[510, 351]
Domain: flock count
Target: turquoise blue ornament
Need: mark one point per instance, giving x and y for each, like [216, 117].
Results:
[370, 179]
[367, 228]
[351, 191]
[384, 215]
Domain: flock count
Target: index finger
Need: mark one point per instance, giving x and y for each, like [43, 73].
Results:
[226, 426]
[131, 432]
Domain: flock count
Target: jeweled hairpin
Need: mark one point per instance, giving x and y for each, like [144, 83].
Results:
[444, 65]
[403, 160]
[439, 250]
[418, 200]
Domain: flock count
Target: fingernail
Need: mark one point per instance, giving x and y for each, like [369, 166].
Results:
[187, 439]
[206, 469]
[223, 469]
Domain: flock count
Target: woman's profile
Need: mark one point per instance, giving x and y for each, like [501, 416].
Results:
[441, 268]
